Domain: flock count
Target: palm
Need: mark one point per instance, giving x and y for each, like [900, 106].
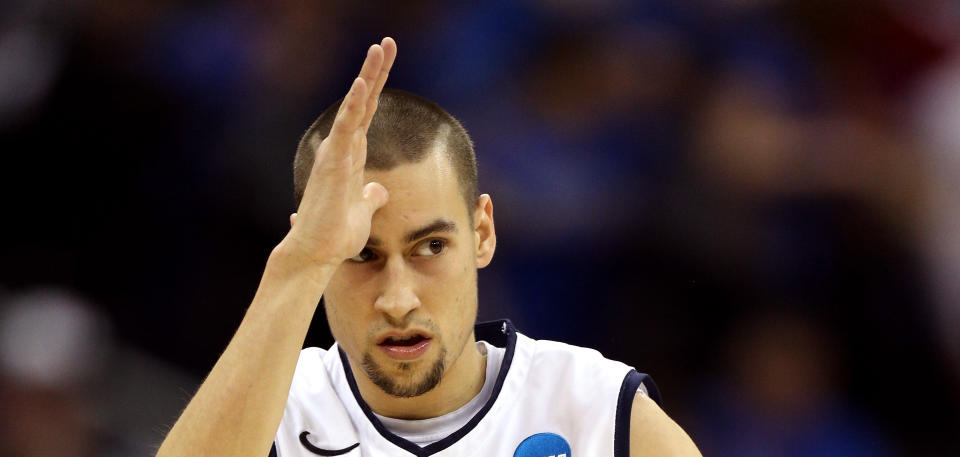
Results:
[333, 220]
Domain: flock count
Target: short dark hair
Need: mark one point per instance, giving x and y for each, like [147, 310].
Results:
[404, 129]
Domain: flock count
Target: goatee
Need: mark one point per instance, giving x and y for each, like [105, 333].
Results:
[403, 389]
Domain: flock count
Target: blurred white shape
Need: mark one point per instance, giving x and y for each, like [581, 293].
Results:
[937, 118]
[51, 338]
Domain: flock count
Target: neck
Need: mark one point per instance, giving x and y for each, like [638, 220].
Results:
[461, 381]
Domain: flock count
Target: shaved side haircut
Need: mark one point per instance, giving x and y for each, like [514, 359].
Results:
[405, 129]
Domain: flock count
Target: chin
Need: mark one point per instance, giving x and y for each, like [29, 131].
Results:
[405, 379]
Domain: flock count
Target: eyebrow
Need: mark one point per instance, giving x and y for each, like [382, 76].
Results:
[439, 225]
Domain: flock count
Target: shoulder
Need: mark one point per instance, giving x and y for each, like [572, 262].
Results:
[311, 358]
[653, 433]
[314, 405]
[573, 364]
[313, 366]
[576, 376]
[581, 371]
[567, 356]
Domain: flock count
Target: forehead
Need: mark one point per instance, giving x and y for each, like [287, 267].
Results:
[420, 192]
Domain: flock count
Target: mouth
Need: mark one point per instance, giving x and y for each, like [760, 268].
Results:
[404, 346]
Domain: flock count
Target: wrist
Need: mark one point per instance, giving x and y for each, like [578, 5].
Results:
[289, 258]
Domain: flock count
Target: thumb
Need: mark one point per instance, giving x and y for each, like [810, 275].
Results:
[375, 196]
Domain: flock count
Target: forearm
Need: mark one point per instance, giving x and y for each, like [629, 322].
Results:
[238, 407]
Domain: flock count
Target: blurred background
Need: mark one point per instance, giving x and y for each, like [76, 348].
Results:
[755, 201]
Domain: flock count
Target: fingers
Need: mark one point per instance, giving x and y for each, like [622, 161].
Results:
[371, 67]
[389, 55]
[348, 120]
[358, 107]
[375, 195]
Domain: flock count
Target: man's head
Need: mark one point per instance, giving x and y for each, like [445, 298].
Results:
[403, 309]
[405, 129]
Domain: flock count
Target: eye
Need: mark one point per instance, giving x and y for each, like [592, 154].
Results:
[430, 248]
[365, 255]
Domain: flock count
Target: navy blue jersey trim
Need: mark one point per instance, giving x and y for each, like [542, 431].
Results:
[498, 333]
[273, 450]
[628, 389]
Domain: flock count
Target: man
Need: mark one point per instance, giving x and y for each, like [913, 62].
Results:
[387, 240]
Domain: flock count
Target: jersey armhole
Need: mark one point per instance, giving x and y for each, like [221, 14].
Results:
[273, 450]
[628, 389]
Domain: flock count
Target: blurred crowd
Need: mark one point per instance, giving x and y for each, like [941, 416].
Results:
[755, 201]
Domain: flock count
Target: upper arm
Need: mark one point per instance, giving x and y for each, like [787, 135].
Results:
[653, 433]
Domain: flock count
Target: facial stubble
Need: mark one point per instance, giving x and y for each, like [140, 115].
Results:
[392, 386]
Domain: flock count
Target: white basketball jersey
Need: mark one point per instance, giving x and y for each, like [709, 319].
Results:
[550, 399]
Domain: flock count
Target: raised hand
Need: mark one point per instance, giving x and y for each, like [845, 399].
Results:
[250, 383]
[333, 221]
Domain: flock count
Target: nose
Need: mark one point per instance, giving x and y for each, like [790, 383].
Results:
[398, 297]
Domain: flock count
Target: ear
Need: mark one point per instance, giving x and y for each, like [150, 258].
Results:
[486, 236]
[293, 217]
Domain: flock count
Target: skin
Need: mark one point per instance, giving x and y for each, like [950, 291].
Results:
[405, 284]
[653, 433]
[238, 407]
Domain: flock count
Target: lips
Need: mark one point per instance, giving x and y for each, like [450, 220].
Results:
[404, 346]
